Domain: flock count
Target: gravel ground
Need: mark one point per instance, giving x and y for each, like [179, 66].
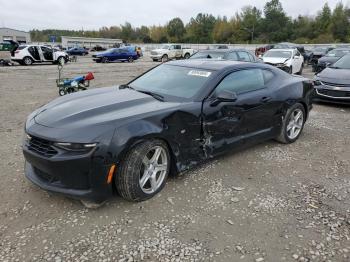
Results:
[270, 202]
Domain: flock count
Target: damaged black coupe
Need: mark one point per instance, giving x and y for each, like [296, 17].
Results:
[176, 115]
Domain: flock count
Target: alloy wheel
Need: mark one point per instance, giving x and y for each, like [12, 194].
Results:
[27, 61]
[153, 169]
[295, 124]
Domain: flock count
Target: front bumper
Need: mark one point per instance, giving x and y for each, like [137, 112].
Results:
[338, 95]
[81, 177]
[157, 56]
[283, 67]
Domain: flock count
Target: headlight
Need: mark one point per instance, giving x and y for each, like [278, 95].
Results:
[317, 83]
[280, 65]
[77, 147]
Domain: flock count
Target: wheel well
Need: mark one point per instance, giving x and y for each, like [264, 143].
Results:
[306, 109]
[122, 155]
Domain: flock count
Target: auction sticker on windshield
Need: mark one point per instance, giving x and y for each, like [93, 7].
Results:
[199, 73]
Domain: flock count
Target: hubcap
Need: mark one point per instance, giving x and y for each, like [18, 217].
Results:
[296, 121]
[153, 170]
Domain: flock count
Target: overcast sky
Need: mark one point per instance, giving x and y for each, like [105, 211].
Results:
[88, 14]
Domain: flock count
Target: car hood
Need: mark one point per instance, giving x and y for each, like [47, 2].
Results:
[101, 106]
[319, 53]
[275, 60]
[159, 50]
[336, 76]
[328, 59]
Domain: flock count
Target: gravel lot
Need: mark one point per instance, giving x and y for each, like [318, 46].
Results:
[270, 202]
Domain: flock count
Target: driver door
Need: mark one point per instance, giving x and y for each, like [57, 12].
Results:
[248, 118]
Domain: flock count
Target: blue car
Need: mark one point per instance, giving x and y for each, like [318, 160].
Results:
[127, 53]
[77, 51]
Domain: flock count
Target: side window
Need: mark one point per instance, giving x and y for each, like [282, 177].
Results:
[172, 47]
[232, 56]
[242, 81]
[252, 59]
[243, 56]
[268, 76]
[45, 49]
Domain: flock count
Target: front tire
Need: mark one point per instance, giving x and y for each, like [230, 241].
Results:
[165, 58]
[130, 59]
[62, 92]
[187, 56]
[293, 124]
[104, 60]
[144, 171]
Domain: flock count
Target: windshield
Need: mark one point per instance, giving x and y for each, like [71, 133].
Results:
[173, 81]
[215, 55]
[278, 54]
[342, 63]
[338, 53]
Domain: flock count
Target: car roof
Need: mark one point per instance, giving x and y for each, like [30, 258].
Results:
[341, 49]
[210, 64]
[282, 49]
[222, 50]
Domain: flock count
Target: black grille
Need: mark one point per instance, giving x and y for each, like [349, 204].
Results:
[333, 84]
[45, 176]
[41, 146]
[334, 93]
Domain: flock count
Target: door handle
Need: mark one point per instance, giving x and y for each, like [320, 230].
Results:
[265, 99]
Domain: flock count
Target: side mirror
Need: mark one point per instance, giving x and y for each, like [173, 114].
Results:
[224, 96]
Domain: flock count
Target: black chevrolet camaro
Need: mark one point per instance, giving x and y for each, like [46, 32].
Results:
[176, 115]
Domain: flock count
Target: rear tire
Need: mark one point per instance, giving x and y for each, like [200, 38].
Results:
[130, 59]
[144, 171]
[292, 124]
[27, 61]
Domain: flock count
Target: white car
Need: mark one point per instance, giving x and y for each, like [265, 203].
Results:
[289, 60]
[29, 54]
[171, 51]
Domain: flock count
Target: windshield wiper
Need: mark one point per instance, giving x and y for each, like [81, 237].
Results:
[155, 95]
[125, 86]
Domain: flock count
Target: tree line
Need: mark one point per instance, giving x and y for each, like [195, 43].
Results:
[250, 25]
